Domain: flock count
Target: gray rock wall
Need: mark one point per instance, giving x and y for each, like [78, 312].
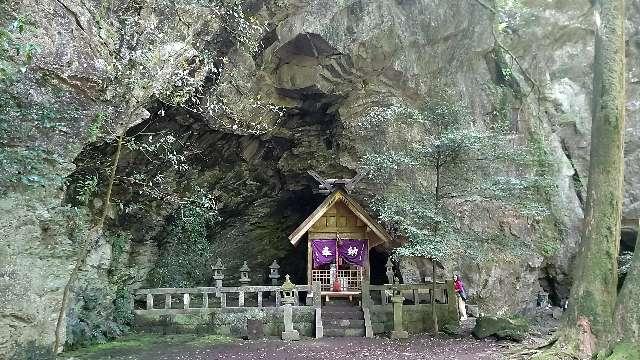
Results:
[324, 62]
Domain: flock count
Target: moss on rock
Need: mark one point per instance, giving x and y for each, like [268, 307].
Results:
[501, 328]
[625, 351]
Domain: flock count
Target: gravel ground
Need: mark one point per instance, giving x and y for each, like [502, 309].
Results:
[421, 347]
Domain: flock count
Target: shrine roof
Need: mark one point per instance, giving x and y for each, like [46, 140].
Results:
[352, 204]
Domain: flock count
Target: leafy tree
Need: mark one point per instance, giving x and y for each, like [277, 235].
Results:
[436, 160]
[186, 251]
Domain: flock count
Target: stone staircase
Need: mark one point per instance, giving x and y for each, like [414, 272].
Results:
[341, 318]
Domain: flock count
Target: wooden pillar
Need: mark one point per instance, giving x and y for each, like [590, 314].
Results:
[367, 266]
[309, 261]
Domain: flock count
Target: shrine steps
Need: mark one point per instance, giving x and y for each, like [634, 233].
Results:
[341, 319]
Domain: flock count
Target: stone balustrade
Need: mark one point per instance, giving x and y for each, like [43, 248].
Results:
[198, 299]
[415, 293]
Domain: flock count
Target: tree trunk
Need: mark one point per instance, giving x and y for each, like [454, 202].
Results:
[94, 234]
[627, 314]
[588, 320]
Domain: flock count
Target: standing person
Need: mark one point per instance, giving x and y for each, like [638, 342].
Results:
[461, 296]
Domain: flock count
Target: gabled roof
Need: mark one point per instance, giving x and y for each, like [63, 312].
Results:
[352, 204]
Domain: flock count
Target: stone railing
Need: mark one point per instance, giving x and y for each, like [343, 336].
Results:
[399, 307]
[415, 293]
[180, 300]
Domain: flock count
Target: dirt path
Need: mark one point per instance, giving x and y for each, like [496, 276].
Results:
[416, 347]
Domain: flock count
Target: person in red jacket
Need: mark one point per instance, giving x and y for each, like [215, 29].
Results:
[461, 297]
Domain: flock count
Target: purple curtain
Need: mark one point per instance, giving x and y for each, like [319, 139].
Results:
[324, 252]
[353, 251]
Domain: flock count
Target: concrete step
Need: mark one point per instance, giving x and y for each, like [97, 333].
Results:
[339, 303]
[341, 308]
[342, 332]
[343, 323]
[342, 315]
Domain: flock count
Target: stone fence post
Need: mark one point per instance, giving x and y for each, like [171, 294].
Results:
[317, 304]
[398, 330]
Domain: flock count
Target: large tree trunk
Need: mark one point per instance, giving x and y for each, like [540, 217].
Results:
[627, 315]
[588, 322]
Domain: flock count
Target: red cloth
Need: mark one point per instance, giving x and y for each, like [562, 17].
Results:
[457, 286]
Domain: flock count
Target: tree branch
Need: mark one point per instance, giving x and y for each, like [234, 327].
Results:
[486, 6]
[515, 59]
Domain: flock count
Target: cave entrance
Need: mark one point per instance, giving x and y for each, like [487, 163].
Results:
[340, 235]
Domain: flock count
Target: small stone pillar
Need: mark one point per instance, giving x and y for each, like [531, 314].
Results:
[398, 332]
[317, 304]
[289, 333]
[389, 271]
[244, 275]
[218, 276]
[274, 275]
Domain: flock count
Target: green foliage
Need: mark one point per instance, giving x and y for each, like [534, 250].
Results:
[86, 188]
[133, 346]
[185, 254]
[549, 236]
[512, 16]
[624, 263]
[624, 351]
[94, 130]
[91, 320]
[119, 244]
[27, 167]
[15, 55]
[32, 351]
[122, 309]
[438, 160]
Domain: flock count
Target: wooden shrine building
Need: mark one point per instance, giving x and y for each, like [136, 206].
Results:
[340, 235]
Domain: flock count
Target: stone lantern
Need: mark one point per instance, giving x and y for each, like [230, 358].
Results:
[389, 271]
[397, 299]
[244, 274]
[217, 272]
[274, 275]
[287, 291]
[289, 333]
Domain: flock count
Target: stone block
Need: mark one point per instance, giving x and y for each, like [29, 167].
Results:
[399, 334]
[292, 335]
[501, 328]
[473, 310]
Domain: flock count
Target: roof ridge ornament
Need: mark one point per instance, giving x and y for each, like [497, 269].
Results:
[327, 186]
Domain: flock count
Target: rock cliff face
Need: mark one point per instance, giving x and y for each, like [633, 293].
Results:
[321, 63]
